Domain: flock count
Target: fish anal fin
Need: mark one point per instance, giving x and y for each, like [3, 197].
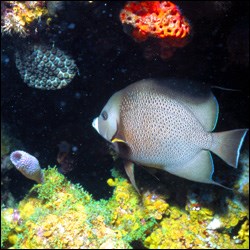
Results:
[199, 169]
[129, 168]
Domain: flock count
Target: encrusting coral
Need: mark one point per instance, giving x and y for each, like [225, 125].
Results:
[59, 214]
[161, 23]
[46, 67]
[191, 230]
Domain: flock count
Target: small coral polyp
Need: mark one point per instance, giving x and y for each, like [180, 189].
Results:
[161, 21]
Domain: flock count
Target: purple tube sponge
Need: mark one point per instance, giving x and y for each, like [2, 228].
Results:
[28, 165]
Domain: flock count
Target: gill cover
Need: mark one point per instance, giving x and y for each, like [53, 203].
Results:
[107, 123]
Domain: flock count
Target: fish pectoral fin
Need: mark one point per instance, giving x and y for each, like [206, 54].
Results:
[199, 169]
[129, 168]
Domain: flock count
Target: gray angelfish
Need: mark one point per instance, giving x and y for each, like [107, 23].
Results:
[167, 124]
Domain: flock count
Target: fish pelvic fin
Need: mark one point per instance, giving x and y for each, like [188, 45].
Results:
[129, 168]
[227, 145]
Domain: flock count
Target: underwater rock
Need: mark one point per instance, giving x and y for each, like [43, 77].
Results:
[45, 67]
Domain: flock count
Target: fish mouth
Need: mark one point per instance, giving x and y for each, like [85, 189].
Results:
[95, 124]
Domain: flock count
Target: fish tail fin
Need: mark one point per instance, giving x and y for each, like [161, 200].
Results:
[227, 145]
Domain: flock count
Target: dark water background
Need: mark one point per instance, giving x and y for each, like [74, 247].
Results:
[108, 60]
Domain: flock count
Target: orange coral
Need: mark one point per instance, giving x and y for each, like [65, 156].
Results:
[162, 21]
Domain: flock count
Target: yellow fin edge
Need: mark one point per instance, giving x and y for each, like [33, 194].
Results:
[117, 140]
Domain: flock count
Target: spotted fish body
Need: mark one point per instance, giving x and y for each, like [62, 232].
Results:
[167, 124]
[170, 141]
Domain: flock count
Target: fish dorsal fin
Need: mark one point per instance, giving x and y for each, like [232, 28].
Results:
[196, 96]
[199, 98]
[206, 112]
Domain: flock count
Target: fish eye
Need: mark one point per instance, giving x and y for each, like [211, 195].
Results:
[104, 115]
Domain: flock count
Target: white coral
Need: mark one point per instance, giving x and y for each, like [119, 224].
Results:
[12, 24]
[214, 224]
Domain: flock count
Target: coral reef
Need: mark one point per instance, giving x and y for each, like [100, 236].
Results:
[169, 214]
[16, 16]
[198, 229]
[59, 214]
[28, 165]
[45, 67]
[160, 21]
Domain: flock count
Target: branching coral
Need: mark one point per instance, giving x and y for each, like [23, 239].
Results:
[16, 16]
